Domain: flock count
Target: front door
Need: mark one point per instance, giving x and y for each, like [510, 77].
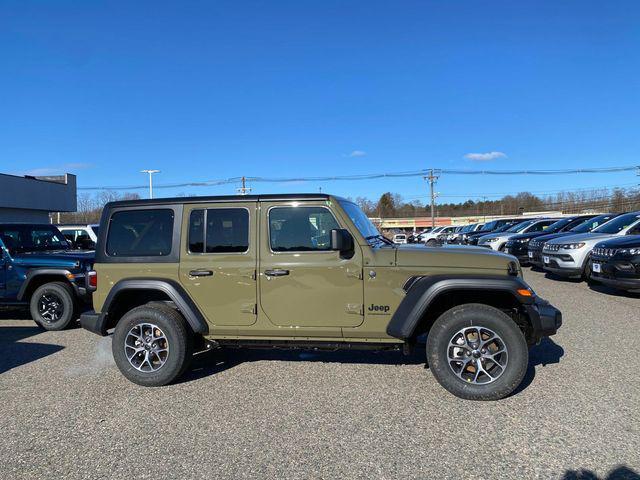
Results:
[302, 282]
[218, 261]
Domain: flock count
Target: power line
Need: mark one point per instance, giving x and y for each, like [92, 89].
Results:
[372, 176]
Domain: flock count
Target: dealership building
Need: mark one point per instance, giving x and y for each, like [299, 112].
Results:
[32, 199]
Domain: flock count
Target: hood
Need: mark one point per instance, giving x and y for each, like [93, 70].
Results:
[528, 236]
[623, 241]
[452, 257]
[54, 258]
[581, 237]
[550, 236]
[499, 235]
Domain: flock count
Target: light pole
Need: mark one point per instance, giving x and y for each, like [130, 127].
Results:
[150, 172]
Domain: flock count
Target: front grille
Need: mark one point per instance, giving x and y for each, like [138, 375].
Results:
[551, 247]
[604, 252]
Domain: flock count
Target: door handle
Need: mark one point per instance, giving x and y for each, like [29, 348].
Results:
[276, 273]
[200, 273]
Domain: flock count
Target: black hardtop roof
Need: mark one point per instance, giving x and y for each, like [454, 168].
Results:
[223, 198]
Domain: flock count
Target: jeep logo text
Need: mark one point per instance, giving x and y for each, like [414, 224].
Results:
[379, 308]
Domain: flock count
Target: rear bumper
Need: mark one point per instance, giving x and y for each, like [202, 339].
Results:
[94, 322]
[545, 318]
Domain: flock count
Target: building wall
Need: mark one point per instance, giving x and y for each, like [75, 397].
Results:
[30, 199]
[23, 215]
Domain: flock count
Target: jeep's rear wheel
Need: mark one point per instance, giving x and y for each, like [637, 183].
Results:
[152, 345]
[52, 306]
[477, 352]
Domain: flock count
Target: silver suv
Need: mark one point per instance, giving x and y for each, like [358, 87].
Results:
[497, 241]
[571, 256]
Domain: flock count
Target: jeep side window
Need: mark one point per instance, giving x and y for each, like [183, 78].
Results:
[227, 230]
[301, 229]
[140, 233]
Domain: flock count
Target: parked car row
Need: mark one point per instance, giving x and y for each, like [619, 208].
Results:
[601, 248]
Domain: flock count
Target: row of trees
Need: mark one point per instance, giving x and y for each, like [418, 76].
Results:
[391, 205]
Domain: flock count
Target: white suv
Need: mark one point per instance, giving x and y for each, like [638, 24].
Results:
[497, 241]
[431, 239]
[571, 256]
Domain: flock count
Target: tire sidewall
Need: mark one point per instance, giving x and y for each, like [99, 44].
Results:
[169, 322]
[482, 316]
[65, 294]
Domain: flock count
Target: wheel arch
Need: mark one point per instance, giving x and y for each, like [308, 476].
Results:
[133, 292]
[430, 296]
[39, 276]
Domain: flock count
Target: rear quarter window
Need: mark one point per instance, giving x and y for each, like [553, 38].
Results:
[140, 233]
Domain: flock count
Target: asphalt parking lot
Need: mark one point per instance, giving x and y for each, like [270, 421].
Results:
[66, 412]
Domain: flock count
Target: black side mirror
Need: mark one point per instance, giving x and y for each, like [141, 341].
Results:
[341, 241]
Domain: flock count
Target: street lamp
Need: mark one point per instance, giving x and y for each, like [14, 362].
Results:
[150, 172]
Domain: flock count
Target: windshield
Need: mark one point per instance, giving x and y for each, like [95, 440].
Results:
[592, 223]
[95, 229]
[618, 224]
[360, 220]
[28, 238]
[559, 225]
[518, 227]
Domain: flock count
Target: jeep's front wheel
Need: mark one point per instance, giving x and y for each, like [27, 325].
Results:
[477, 352]
[151, 345]
[52, 306]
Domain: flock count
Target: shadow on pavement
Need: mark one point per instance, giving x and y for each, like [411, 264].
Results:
[618, 473]
[613, 292]
[219, 360]
[545, 353]
[16, 353]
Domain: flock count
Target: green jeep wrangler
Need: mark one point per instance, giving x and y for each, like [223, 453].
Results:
[305, 271]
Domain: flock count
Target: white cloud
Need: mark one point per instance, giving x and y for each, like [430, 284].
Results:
[57, 170]
[357, 153]
[485, 157]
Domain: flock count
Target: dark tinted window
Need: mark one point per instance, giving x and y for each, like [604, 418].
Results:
[227, 230]
[196, 231]
[26, 238]
[140, 233]
[300, 228]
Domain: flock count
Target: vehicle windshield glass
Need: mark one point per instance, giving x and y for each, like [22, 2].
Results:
[618, 224]
[592, 223]
[518, 227]
[27, 238]
[95, 229]
[559, 225]
[360, 220]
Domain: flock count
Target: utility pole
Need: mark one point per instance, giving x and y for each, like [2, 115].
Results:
[150, 172]
[432, 180]
[244, 190]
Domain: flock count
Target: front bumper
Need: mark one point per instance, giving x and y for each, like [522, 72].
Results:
[561, 264]
[545, 318]
[519, 251]
[623, 274]
[94, 322]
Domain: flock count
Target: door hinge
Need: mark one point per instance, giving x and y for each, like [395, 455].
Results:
[355, 308]
[354, 273]
[249, 308]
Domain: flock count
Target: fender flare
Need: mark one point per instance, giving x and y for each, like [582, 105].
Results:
[422, 291]
[171, 288]
[36, 272]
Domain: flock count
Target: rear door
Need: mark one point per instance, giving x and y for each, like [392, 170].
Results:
[218, 261]
[302, 282]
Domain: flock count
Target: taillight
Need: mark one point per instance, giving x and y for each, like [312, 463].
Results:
[93, 279]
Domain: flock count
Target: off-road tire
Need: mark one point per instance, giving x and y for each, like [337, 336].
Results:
[66, 298]
[178, 336]
[468, 315]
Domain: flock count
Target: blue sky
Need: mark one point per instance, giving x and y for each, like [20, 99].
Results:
[216, 89]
